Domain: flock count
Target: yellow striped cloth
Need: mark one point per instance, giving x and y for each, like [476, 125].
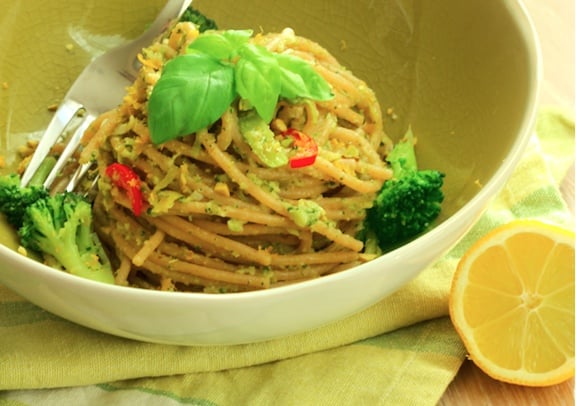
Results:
[401, 351]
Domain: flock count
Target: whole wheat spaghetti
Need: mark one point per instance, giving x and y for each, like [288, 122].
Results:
[217, 219]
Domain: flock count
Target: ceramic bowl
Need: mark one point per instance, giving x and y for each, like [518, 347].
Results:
[464, 74]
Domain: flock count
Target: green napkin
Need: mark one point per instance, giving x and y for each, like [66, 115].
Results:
[400, 351]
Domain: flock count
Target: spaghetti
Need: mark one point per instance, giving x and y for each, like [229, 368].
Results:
[216, 218]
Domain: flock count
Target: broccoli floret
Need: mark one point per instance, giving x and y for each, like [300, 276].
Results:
[58, 227]
[14, 199]
[408, 203]
[202, 22]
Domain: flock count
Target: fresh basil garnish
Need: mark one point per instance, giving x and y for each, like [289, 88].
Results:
[194, 92]
[258, 79]
[196, 88]
[299, 79]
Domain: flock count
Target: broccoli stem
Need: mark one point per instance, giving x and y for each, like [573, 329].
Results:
[85, 256]
[43, 171]
[84, 264]
[402, 158]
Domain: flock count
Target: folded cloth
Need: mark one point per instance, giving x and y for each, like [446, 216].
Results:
[403, 350]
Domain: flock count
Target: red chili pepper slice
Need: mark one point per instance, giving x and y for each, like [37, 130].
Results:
[306, 149]
[126, 179]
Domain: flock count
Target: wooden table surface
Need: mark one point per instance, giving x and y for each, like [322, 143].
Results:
[554, 22]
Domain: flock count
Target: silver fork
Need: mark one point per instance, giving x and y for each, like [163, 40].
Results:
[99, 88]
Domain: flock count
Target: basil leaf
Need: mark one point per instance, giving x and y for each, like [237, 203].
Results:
[237, 37]
[257, 77]
[192, 93]
[213, 44]
[220, 45]
[299, 79]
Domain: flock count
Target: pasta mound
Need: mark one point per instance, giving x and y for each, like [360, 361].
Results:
[217, 219]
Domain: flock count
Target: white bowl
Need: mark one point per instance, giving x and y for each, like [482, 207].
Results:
[464, 73]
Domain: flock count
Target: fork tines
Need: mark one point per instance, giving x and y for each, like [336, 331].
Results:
[66, 114]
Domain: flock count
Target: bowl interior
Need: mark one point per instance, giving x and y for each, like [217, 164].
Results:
[458, 72]
[461, 73]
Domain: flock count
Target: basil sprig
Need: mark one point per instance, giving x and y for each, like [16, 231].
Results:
[196, 88]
